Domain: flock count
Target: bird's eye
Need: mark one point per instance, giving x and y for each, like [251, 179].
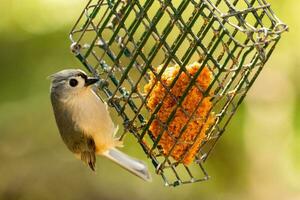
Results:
[73, 82]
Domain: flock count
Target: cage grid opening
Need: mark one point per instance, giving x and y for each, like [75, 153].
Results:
[153, 55]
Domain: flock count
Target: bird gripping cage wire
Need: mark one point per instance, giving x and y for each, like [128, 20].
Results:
[175, 71]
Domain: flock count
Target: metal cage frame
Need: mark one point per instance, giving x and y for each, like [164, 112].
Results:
[122, 41]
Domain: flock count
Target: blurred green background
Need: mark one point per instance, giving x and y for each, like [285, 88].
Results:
[257, 158]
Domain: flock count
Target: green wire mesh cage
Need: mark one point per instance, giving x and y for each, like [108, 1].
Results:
[175, 71]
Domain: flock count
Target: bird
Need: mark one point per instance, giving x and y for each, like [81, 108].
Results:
[84, 122]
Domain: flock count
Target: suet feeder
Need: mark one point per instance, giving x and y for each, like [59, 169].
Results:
[176, 71]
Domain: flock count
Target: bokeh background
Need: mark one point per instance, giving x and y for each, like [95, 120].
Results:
[257, 158]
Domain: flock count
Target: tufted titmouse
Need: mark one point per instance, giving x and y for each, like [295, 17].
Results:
[84, 122]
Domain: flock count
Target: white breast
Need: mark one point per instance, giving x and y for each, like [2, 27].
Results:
[92, 117]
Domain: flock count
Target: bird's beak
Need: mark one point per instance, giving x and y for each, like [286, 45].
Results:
[91, 80]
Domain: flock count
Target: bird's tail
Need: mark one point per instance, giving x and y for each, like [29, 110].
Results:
[133, 165]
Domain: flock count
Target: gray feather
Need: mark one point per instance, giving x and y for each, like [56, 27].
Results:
[137, 167]
[74, 138]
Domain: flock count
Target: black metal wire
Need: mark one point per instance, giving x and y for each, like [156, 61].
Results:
[122, 42]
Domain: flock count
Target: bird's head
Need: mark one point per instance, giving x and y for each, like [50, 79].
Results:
[70, 82]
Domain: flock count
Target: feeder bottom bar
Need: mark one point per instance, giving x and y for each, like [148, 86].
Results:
[186, 145]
